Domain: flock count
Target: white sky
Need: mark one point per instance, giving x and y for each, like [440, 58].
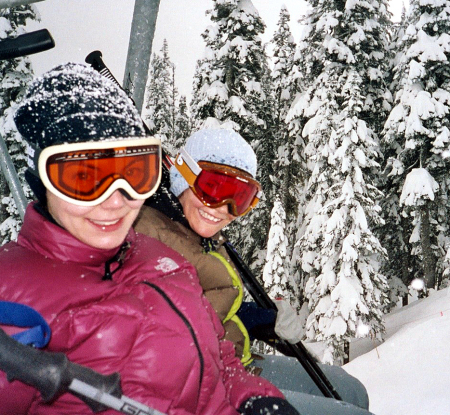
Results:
[81, 26]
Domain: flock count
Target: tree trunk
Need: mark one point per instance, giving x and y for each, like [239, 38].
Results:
[346, 352]
[429, 260]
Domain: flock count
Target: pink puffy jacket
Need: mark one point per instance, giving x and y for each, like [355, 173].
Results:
[150, 323]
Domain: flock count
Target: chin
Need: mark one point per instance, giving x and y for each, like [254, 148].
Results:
[109, 243]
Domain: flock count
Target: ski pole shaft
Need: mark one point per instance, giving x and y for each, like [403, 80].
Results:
[123, 404]
[298, 350]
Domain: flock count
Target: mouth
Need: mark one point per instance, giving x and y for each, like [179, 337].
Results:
[209, 217]
[107, 225]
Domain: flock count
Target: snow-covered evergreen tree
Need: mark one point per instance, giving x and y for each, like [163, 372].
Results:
[393, 233]
[182, 124]
[15, 75]
[287, 163]
[418, 129]
[162, 95]
[274, 274]
[232, 87]
[344, 67]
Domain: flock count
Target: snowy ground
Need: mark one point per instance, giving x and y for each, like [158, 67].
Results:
[409, 373]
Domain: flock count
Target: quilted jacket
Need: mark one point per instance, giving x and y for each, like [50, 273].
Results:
[149, 322]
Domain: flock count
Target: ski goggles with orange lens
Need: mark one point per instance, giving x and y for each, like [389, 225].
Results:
[87, 174]
[216, 184]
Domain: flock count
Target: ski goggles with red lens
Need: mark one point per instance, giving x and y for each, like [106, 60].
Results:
[217, 184]
[88, 173]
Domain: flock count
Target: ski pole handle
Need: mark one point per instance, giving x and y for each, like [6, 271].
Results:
[51, 373]
[95, 59]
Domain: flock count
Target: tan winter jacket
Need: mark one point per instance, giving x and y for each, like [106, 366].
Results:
[220, 281]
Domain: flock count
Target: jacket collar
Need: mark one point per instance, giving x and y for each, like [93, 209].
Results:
[52, 241]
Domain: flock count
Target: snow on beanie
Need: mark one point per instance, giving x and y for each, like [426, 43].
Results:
[73, 103]
[218, 146]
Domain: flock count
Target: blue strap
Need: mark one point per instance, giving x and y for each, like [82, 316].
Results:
[20, 315]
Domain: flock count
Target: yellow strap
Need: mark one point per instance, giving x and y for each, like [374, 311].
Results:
[246, 354]
[236, 283]
[246, 358]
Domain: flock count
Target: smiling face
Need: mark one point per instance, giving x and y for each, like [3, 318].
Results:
[103, 226]
[204, 220]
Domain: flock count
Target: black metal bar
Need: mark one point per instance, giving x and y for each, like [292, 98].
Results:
[298, 350]
[26, 44]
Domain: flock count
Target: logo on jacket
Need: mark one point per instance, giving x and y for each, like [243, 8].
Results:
[166, 264]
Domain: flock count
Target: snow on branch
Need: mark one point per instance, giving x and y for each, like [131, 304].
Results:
[419, 185]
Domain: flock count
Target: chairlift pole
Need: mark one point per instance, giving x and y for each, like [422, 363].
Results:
[25, 44]
[140, 49]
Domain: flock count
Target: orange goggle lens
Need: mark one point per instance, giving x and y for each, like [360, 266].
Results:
[219, 184]
[85, 175]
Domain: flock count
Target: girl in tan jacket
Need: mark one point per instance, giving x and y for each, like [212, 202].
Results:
[211, 184]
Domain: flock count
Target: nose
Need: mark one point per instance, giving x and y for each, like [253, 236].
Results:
[115, 201]
[223, 208]
[226, 210]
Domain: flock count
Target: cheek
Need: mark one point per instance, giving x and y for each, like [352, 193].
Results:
[135, 204]
[64, 212]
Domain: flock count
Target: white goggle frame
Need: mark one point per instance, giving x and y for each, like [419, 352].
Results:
[46, 153]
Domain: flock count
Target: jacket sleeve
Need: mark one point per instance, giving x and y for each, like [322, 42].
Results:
[15, 397]
[240, 384]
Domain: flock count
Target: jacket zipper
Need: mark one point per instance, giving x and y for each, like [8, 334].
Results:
[188, 325]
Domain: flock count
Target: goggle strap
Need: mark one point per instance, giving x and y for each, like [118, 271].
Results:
[33, 152]
[167, 161]
[187, 166]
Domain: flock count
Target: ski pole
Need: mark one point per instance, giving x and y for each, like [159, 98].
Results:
[298, 350]
[53, 374]
[95, 59]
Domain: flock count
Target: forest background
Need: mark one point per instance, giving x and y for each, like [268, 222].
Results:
[350, 125]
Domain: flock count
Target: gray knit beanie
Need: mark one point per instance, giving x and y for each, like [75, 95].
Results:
[217, 146]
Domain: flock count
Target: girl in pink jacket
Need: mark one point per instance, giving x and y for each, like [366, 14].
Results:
[116, 301]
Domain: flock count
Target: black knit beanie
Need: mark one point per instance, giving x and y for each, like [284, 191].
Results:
[73, 103]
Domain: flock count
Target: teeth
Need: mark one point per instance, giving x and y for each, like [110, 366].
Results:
[209, 217]
[105, 223]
